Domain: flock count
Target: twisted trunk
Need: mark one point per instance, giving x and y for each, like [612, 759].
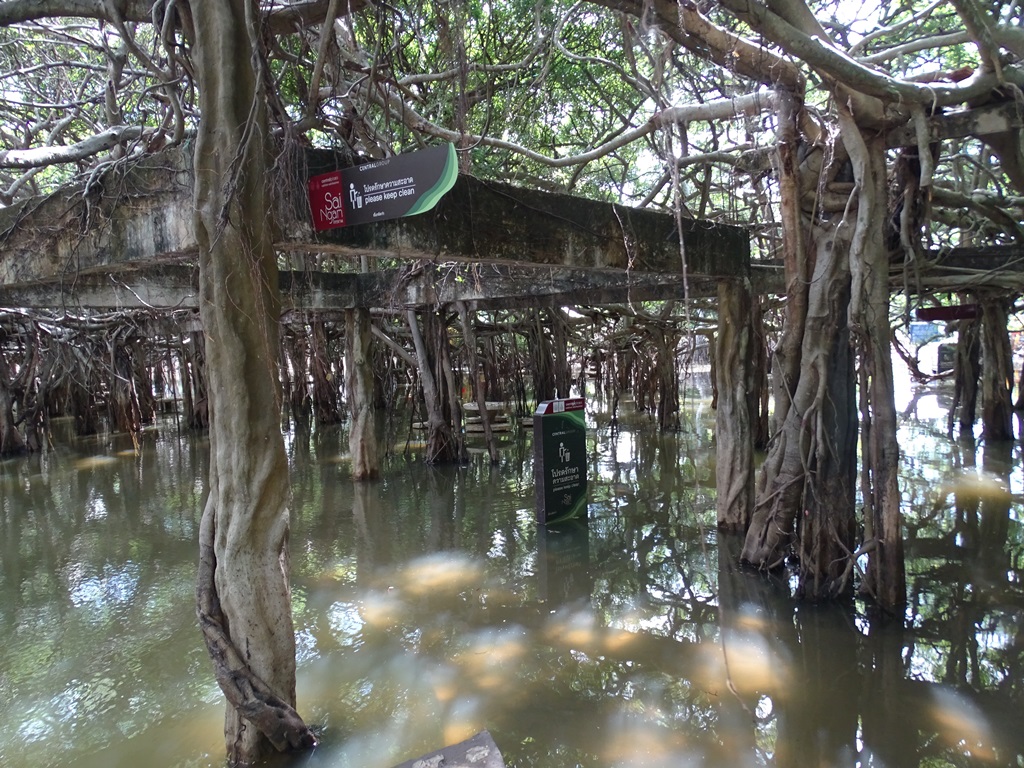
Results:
[734, 473]
[243, 597]
[804, 496]
[807, 472]
[362, 440]
[885, 578]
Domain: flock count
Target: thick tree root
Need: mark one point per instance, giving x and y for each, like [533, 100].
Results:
[244, 690]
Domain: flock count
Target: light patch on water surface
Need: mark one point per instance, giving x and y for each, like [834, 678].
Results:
[982, 486]
[579, 629]
[574, 629]
[745, 662]
[381, 609]
[617, 641]
[439, 574]
[490, 658]
[346, 620]
[640, 741]
[444, 683]
[94, 462]
[81, 700]
[115, 587]
[498, 547]
[344, 571]
[961, 725]
[463, 720]
[35, 728]
[751, 618]
[305, 646]
[95, 509]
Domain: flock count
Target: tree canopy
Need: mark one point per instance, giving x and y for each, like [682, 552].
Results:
[660, 104]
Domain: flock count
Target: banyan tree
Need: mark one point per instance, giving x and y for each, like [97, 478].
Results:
[771, 173]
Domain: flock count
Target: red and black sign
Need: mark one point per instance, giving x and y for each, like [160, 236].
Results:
[945, 314]
[398, 186]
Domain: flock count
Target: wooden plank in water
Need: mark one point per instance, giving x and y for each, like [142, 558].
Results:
[496, 406]
[480, 751]
[477, 427]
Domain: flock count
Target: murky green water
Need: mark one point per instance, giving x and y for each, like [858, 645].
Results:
[429, 606]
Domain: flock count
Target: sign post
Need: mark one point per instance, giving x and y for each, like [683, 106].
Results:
[560, 460]
[398, 186]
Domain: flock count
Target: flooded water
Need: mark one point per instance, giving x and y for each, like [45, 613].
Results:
[429, 606]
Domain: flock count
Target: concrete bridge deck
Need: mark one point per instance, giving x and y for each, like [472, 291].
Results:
[127, 241]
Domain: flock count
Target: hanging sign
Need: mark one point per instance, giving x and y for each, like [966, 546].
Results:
[398, 186]
[945, 314]
[560, 460]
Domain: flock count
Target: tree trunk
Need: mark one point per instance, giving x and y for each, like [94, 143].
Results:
[82, 388]
[797, 265]
[477, 381]
[441, 444]
[123, 401]
[1018, 404]
[297, 356]
[869, 318]
[243, 595]
[806, 464]
[11, 441]
[966, 373]
[362, 436]
[760, 396]
[195, 393]
[325, 392]
[734, 471]
[442, 346]
[560, 351]
[666, 380]
[996, 369]
[779, 489]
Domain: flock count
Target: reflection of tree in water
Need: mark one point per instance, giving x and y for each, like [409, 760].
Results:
[419, 606]
[965, 610]
[97, 545]
[678, 652]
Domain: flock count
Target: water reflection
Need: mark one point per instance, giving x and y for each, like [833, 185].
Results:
[429, 606]
[96, 580]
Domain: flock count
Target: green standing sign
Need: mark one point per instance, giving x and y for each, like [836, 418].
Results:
[560, 460]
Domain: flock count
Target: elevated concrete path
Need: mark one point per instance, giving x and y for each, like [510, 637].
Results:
[127, 240]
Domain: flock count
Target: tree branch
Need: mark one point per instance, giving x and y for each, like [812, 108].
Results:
[977, 24]
[43, 156]
[843, 70]
[721, 109]
[686, 25]
[20, 11]
[282, 17]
